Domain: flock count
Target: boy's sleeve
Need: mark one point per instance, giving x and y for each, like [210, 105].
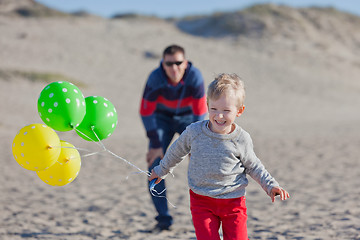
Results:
[175, 154]
[256, 169]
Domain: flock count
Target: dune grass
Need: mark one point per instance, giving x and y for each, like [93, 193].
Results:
[45, 77]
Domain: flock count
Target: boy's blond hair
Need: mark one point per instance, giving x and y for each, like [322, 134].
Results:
[224, 82]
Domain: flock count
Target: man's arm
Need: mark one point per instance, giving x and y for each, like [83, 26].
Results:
[199, 104]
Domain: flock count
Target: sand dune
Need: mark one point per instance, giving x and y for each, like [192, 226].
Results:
[301, 109]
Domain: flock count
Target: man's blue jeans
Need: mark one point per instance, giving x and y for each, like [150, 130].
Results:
[167, 128]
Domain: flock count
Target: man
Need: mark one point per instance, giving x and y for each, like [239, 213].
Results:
[173, 98]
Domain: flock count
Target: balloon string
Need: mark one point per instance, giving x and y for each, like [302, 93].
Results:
[127, 177]
[91, 154]
[77, 130]
[81, 149]
[105, 150]
[158, 195]
[92, 129]
[99, 143]
[141, 171]
[115, 155]
[126, 161]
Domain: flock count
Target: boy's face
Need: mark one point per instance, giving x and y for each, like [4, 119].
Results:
[175, 66]
[222, 113]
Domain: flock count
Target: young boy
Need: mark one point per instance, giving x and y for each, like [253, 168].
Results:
[221, 156]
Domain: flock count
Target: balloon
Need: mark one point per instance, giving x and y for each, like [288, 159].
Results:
[65, 169]
[61, 106]
[36, 147]
[100, 117]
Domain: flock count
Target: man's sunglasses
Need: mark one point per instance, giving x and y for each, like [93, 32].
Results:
[177, 63]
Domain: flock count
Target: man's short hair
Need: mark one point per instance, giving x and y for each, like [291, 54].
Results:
[172, 49]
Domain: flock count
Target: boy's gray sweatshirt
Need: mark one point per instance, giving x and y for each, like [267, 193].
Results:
[218, 162]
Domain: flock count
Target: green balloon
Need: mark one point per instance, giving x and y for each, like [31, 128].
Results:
[100, 119]
[61, 105]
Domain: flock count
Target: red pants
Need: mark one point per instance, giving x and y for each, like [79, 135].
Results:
[208, 213]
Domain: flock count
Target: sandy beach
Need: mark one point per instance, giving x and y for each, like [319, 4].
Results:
[302, 111]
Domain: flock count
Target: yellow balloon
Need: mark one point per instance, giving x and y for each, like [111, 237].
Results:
[36, 147]
[65, 169]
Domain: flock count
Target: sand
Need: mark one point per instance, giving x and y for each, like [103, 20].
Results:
[302, 110]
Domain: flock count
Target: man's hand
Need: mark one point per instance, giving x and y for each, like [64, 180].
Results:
[279, 191]
[153, 154]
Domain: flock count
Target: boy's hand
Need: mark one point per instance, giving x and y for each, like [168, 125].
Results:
[279, 191]
[153, 176]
